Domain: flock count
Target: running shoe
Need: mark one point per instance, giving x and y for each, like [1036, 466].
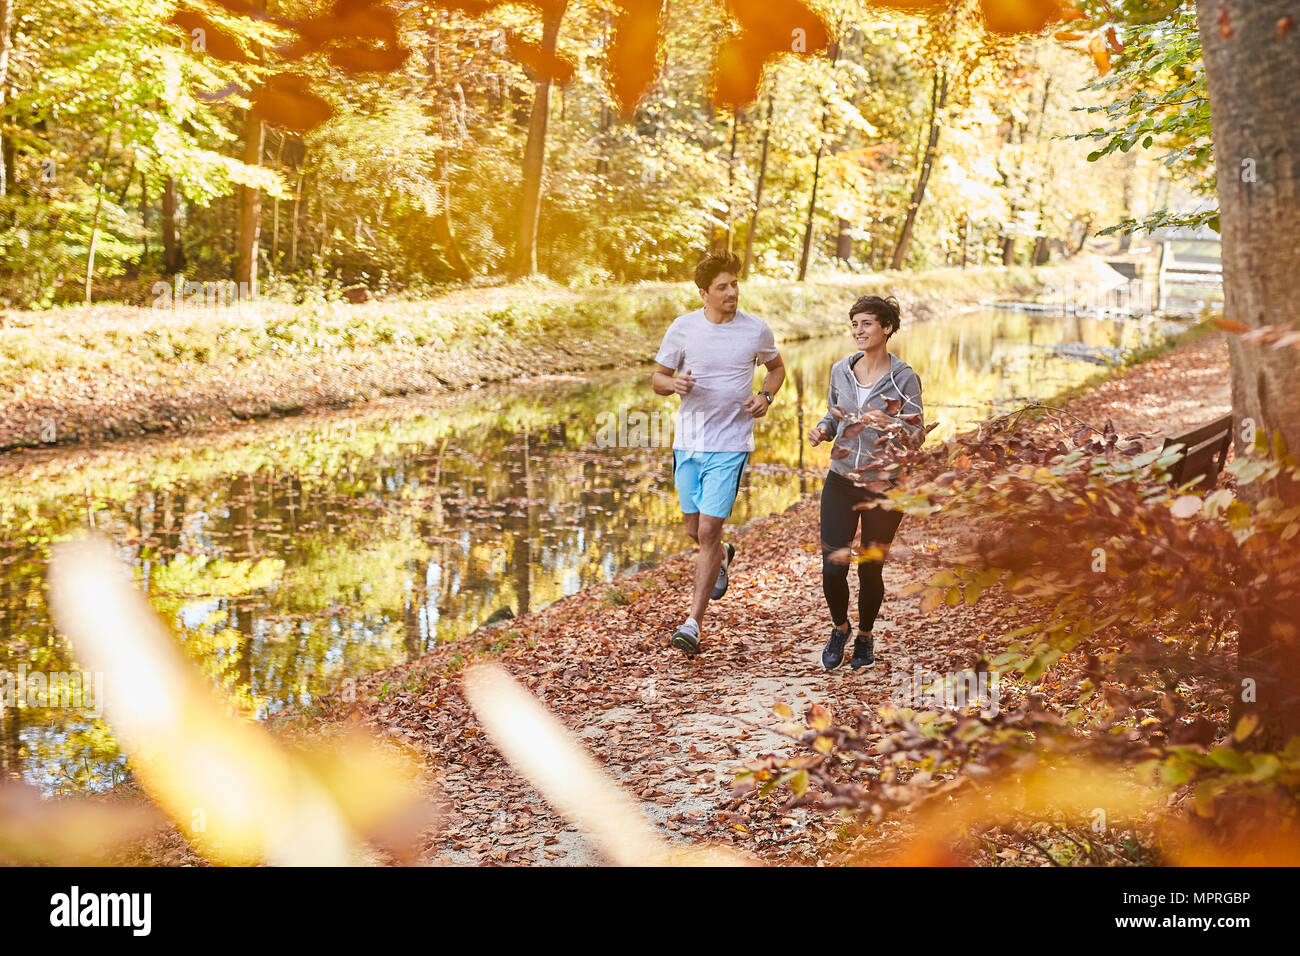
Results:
[863, 651]
[687, 639]
[833, 652]
[720, 587]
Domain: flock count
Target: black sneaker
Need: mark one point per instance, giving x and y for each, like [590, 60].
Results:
[720, 588]
[687, 640]
[863, 647]
[833, 652]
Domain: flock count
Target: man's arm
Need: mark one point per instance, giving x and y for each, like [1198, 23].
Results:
[665, 382]
[775, 375]
[757, 405]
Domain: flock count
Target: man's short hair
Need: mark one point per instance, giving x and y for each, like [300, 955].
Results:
[713, 266]
[886, 311]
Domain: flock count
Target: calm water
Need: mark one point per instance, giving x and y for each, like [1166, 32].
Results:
[291, 555]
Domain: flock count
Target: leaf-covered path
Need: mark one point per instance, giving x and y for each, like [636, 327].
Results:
[673, 731]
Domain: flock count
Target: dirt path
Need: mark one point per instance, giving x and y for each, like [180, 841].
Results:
[673, 731]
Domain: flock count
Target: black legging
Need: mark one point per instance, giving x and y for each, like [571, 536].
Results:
[839, 521]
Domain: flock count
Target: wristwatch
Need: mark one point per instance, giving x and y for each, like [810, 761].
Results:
[768, 396]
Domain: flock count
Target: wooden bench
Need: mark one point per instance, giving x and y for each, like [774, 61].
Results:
[1205, 450]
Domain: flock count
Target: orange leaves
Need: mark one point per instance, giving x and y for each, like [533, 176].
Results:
[635, 47]
[768, 27]
[1266, 336]
[1003, 16]
[1100, 55]
[361, 36]
[1020, 16]
[819, 718]
[206, 37]
[288, 102]
[540, 62]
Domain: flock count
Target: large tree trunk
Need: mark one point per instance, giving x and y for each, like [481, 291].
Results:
[535, 152]
[758, 190]
[250, 210]
[938, 100]
[6, 44]
[1251, 66]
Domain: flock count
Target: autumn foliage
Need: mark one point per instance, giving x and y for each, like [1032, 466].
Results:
[1129, 594]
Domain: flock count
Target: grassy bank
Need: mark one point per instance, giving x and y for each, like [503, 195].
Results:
[75, 375]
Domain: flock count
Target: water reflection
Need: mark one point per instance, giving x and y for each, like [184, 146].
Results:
[290, 555]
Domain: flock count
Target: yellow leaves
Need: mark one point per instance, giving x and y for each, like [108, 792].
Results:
[819, 718]
[1245, 727]
[1100, 55]
[823, 745]
[783, 711]
[799, 782]
[541, 749]
[235, 792]
[1069, 790]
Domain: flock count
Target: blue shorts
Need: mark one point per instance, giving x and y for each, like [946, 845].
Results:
[708, 481]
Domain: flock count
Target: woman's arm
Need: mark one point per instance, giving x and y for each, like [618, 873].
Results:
[911, 394]
[829, 424]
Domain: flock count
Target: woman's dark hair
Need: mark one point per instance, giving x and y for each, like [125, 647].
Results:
[713, 266]
[885, 310]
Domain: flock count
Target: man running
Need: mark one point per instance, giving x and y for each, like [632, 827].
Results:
[715, 348]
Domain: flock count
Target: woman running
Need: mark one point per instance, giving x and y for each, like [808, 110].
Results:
[861, 384]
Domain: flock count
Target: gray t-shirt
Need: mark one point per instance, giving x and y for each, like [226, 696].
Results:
[721, 356]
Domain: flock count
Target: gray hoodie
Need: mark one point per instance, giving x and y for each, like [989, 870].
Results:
[899, 382]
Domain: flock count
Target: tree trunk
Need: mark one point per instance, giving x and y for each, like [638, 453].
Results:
[173, 253]
[1250, 75]
[443, 230]
[817, 165]
[273, 261]
[100, 186]
[1083, 239]
[445, 233]
[844, 242]
[144, 219]
[731, 175]
[250, 210]
[535, 152]
[938, 99]
[1130, 166]
[812, 210]
[758, 190]
[296, 227]
[6, 44]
